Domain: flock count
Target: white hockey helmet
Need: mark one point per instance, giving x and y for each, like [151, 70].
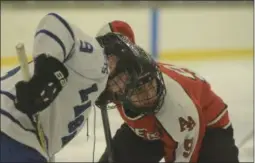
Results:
[117, 26]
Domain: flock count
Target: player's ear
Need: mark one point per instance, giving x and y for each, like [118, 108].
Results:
[117, 26]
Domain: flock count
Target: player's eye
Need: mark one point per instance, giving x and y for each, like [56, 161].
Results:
[144, 92]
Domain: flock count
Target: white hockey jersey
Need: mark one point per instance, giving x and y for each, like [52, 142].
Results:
[88, 74]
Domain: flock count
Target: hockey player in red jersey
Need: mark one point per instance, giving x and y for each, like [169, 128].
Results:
[169, 112]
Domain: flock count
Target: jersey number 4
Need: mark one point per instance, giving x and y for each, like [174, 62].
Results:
[78, 113]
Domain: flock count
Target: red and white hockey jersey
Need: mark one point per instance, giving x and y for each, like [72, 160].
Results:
[189, 107]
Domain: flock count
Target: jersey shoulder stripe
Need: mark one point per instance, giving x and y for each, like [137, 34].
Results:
[64, 22]
[58, 29]
[54, 37]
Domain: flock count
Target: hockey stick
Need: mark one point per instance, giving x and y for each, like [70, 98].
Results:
[23, 61]
[20, 49]
[107, 133]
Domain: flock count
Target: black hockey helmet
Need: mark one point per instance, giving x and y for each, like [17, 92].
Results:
[143, 75]
[117, 45]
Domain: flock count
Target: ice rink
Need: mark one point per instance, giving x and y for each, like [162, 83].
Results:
[232, 80]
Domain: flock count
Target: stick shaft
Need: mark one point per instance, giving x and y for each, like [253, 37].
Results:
[107, 132]
[23, 61]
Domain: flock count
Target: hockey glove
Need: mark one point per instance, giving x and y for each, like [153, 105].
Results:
[103, 99]
[50, 76]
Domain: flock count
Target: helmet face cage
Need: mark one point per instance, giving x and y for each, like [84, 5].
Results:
[146, 94]
[144, 89]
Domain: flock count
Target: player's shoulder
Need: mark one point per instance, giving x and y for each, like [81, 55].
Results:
[85, 56]
[176, 72]
[177, 98]
[182, 90]
[56, 22]
[88, 57]
[177, 107]
[188, 79]
[172, 71]
[59, 24]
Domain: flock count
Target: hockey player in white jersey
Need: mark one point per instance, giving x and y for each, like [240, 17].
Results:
[69, 72]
